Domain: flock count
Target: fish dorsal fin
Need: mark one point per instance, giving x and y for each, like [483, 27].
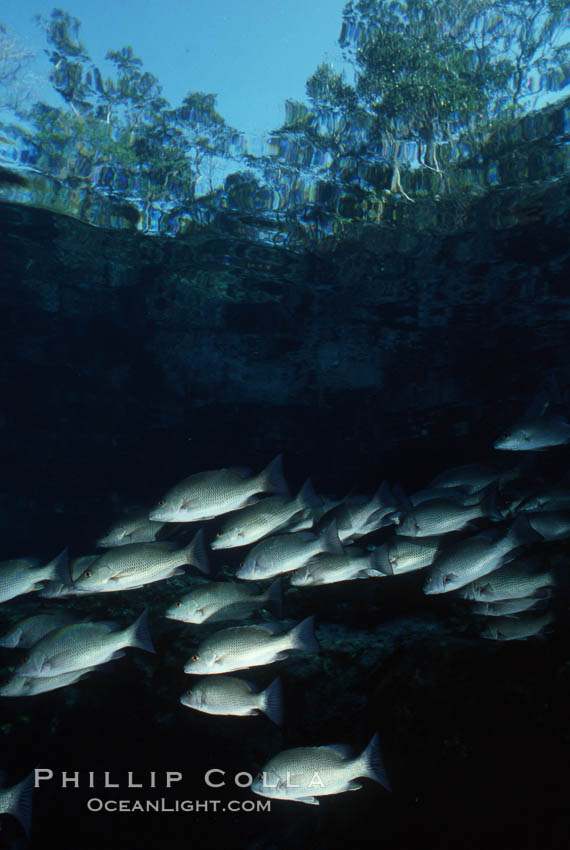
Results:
[383, 495]
[272, 628]
[112, 625]
[558, 419]
[401, 497]
[242, 471]
[345, 751]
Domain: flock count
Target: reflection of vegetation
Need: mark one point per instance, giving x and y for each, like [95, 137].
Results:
[120, 129]
[15, 78]
[434, 81]
[431, 76]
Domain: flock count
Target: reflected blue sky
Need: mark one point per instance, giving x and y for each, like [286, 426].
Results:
[254, 54]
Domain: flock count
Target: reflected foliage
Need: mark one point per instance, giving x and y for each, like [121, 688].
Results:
[439, 88]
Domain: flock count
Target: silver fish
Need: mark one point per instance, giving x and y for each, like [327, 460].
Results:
[83, 645]
[283, 553]
[224, 600]
[312, 515]
[438, 516]
[512, 628]
[264, 517]
[250, 646]
[404, 554]
[138, 564]
[535, 435]
[471, 478]
[24, 686]
[431, 493]
[210, 494]
[133, 527]
[27, 632]
[506, 607]
[550, 525]
[305, 773]
[360, 515]
[25, 575]
[229, 695]
[329, 569]
[467, 560]
[515, 581]
[548, 499]
[66, 587]
[17, 801]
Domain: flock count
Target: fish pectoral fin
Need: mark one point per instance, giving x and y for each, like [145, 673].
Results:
[353, 786]
[312, 801]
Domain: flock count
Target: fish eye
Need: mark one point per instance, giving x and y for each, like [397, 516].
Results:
[160, 503]
[87, 574]
[428, 579]
[219, 534]
[242, 563]
[195, 658]
[178, 603]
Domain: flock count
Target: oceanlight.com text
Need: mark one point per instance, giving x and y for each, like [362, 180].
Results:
[96, 804]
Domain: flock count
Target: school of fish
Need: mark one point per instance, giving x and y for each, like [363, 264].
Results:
[480, 533]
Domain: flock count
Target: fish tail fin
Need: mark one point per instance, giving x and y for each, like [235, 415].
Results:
[58, 569]
[272, 480]
[402, 501]
[302, 636]
[11, 639]
[272, 702]
[487, 498]
[330, 539]
[522, 533]
[548, 621]
[306, 497]
[17, 801]
[558, 578]
[372, 764]
[381, 561]
[383, 498]
[139, 634]
[274, 597]
[196, 553]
